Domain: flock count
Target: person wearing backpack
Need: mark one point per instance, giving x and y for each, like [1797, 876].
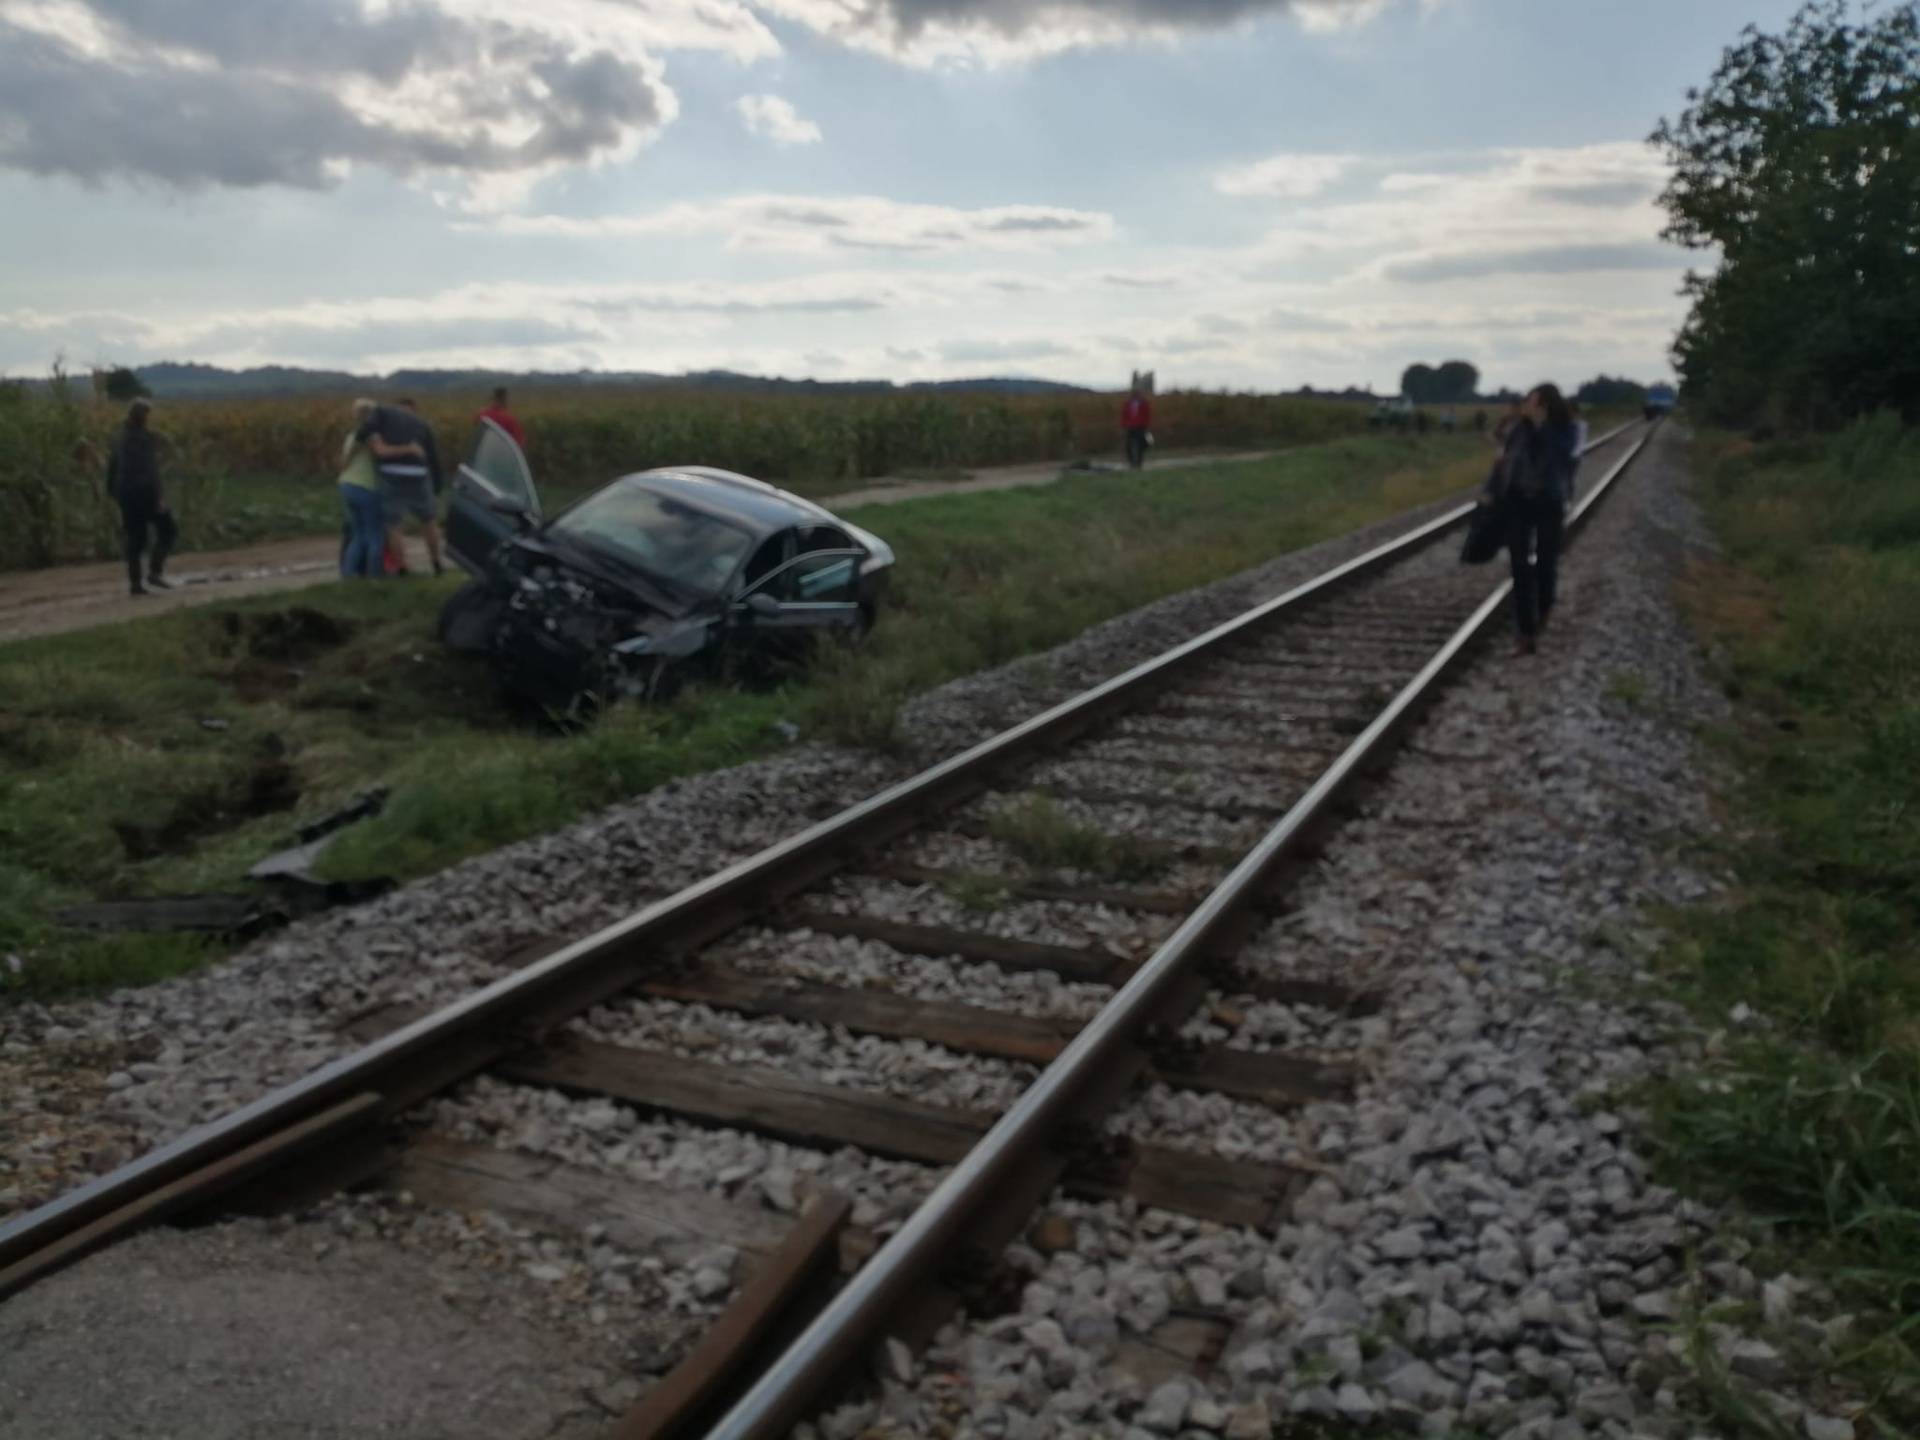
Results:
[1534, 475]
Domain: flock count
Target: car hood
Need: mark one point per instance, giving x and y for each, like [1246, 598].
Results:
[610, 574]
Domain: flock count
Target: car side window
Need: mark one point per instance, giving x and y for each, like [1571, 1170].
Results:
[824, 579]
[771, 555]
[823, 537]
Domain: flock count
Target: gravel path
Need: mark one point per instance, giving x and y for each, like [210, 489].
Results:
[60, 598]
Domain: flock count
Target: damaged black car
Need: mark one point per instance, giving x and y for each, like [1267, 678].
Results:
[623, 592]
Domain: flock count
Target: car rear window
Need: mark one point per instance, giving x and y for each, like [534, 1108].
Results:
[687, 548]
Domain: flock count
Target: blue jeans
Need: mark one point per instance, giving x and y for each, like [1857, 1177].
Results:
[366, 533]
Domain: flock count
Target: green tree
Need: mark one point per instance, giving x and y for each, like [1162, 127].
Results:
[1797, 163]
[1606, 390]
[1416, 383]
[121, 384]
[1455, 382]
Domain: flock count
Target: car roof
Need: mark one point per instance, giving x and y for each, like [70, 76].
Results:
[750, 504]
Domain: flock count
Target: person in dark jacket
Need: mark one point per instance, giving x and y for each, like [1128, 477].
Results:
[133, 480]
[1536, 473]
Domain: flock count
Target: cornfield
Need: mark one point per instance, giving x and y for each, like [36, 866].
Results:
[275, 460]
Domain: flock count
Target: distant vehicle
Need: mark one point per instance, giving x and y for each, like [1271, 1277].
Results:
[620, 592]
[1397, 413]
[1660, 400]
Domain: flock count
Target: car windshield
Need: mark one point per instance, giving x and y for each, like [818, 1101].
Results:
[683, 548]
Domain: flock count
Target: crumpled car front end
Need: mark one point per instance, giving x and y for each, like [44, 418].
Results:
[571, 644]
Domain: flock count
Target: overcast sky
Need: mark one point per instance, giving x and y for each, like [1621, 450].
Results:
[1248, 193]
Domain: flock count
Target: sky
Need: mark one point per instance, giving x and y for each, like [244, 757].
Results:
[1252, 194]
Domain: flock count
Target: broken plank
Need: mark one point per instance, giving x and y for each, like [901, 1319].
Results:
[783, 1292]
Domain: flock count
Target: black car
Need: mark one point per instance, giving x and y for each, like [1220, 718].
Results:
[614, 596]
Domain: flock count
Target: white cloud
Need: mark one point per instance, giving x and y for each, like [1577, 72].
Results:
[808, 224]
[998, 32]
[478, 98]
[772, 118]
[1284, 176]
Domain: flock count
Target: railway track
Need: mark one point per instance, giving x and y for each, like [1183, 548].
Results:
[1049, 916]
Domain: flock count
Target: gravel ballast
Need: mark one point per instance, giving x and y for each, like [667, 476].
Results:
[1484, 1251]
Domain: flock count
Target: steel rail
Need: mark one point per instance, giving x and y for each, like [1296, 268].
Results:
[788, 1388]
[467, 1034]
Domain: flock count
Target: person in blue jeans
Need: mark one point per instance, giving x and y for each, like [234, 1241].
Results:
[363, 547]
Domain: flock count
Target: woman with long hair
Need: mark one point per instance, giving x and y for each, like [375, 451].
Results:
[363, 542]
[1536, 470]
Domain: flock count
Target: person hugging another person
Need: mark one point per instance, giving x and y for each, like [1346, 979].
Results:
[403, 451]
[365, 542]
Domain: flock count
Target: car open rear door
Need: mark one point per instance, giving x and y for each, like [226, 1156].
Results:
[490, 491]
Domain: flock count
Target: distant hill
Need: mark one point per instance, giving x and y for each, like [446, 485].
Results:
[171, 380]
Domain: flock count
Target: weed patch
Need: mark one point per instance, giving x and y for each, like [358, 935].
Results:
[1811, 1115]
[1047, 838]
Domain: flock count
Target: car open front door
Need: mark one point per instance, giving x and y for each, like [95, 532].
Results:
[491, 492]
[820, 591]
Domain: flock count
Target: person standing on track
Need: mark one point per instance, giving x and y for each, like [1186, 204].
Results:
[133, 480]
[1536, 468]
[1136, 418]
[500, 415]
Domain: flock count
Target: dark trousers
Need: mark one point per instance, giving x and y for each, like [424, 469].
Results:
[136, 517]
[1136, 446]
[1533, 549]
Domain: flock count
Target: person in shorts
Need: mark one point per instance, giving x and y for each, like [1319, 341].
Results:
[408, 461]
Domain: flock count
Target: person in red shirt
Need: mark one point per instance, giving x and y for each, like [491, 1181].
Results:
[1136, 418]
[503, 417]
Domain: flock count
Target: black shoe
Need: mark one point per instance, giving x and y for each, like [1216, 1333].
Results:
[438, 569]
[159, 582]
[138, 590]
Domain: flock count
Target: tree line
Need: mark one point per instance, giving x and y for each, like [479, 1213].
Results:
[1796, 164]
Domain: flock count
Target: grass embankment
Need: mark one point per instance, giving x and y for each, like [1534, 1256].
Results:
[246, 470]
[164, 756]
[1811, 1116]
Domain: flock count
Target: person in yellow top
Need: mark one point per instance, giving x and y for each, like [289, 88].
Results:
[364, 549]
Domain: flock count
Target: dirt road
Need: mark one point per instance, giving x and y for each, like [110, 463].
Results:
[74, 597]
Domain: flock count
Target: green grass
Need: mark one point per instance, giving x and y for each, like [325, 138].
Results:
[1811, 1117]
[1045, 837]
[101, 735]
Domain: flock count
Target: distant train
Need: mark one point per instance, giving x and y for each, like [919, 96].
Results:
[1660, 400]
